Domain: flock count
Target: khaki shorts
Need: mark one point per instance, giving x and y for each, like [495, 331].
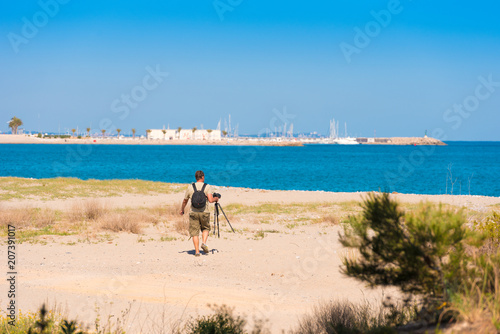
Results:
[198, 221]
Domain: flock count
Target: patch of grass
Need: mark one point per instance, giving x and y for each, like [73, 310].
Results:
[348, 318]
[168, 238]
[223, 321]
[330, 219]
[118, 222]
[93, 209]
[291, 226]
[55, 188]
[271, 231]
[182, 226]
[259, 235]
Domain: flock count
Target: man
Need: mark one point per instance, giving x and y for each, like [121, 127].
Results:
[199, 218]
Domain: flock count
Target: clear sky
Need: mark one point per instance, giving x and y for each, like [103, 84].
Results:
[397, 67]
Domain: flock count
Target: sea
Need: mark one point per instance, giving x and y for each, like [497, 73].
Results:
[459, 168]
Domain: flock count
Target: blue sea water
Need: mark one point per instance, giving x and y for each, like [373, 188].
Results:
[472, 167]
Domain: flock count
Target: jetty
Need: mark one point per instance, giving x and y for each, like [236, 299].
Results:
[400, 141]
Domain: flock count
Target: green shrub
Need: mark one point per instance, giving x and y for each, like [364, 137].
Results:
[422, 252]
[222, 322]
[490, 227]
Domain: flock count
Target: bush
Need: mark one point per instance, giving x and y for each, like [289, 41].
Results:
[222, 322]
[422, 253]
[491, 228]
[348, 318]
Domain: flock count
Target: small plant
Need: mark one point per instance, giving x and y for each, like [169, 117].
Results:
[168, 238]
[222, 322]
[490, 227]
[93, 209]
[259, 235]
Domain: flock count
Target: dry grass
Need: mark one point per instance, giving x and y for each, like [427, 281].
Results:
[165, 210]
[182, 226]
[44, 217]
[330, 219]
[93, 209]
[20, 218]
[120, 222]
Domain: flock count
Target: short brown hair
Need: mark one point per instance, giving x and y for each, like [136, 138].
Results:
[198, 175]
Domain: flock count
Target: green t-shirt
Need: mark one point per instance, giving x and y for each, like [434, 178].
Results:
[189, 194]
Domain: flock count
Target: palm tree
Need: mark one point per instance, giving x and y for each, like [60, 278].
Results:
[224, 132]
[164, 133]
[179, 131]
[14, 124]
[118, 130]
[133, 133]
[194, 130]
[209, 131]
[103, 132]
[148, 132]
[73, 130]
[88, 132]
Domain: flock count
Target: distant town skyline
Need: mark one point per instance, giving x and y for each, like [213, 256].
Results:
[397, 68]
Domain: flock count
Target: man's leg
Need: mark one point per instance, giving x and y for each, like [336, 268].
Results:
[194, 231]
[205, 236]
[205, 230]
[196, 242]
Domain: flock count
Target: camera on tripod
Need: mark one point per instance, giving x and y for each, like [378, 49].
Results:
[218, 208]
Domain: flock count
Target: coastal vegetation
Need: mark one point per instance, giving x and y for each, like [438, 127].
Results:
[64, 188]
[443, 259]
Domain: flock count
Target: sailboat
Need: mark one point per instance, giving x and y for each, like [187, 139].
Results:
[345, 140]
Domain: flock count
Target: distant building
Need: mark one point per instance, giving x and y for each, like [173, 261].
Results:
[158, 134]
[185, 134]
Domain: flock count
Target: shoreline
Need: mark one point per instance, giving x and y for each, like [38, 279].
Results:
[232, 195]
[399, 141]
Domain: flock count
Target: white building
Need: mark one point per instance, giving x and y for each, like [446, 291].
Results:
[158, 134]
[185, 134]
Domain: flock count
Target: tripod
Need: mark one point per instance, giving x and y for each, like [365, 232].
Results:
[216, 219]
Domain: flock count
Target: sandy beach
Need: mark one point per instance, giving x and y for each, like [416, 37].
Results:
[282, 261]
[24, 139]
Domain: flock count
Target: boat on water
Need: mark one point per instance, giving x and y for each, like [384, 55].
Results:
[345, 141]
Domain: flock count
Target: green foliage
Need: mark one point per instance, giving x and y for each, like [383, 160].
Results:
[14, 123]
[222, 322]
[490, 227]
[39, 135]
[421, 252]
[69, 328]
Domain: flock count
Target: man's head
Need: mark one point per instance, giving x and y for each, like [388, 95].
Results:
[199, 175]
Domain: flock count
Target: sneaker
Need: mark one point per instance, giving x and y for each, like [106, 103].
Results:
[197, 254]
[205, 248]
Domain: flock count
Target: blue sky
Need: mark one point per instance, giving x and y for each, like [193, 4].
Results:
[255, 60]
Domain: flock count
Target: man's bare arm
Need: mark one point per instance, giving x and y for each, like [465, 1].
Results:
[184, 203]
[212, 199]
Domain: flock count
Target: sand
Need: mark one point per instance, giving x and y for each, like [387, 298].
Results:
[25, 139]
[280, 277]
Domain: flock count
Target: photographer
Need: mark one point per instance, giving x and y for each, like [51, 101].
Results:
[199, 215]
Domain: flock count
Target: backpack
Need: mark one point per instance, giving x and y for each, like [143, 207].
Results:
[199, 199]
